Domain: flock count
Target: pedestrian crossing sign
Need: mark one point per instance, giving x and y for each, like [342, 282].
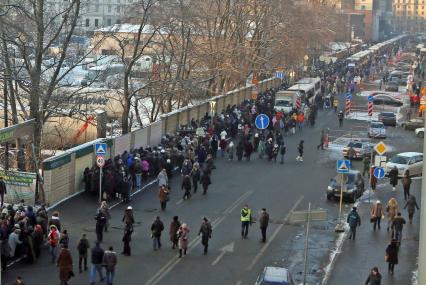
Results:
[100, 148]
[343, 166]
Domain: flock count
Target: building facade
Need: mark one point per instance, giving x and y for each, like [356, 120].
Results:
[409, 15]
[94, 14]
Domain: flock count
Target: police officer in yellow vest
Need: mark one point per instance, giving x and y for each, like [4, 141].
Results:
[245, 221]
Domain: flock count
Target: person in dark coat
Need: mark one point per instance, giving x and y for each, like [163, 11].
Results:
[87, 178]
[354, 220]
[411, 206]
[196, 176]
[65, 265]
[174, 227]
[393, 177]
[406, 183]
[205, 182]
[392, 255]
[206, 233]
[3, 190]
[127, 238]
[214, 146]
[375, 278]
[240, 151]
[157, 228]
[186, 185]
[263, 223]
[82, 248]
[248, 149]
[100, 225]
[38, 240]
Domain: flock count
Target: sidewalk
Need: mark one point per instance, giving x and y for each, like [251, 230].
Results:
[368, 250]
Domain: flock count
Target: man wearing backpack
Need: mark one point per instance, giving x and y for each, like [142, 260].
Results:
[354, 221]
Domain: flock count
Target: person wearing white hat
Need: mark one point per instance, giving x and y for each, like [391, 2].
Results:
[377, 214]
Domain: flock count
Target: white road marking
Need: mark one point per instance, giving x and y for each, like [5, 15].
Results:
[274, 234]
[239, 282]
[179, 202]
[237, 202]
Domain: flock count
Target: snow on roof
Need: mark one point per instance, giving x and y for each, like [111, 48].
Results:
[130, 28]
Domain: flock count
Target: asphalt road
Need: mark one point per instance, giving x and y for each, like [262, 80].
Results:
[259, 183]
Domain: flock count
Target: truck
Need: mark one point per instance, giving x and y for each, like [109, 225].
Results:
[285, 100]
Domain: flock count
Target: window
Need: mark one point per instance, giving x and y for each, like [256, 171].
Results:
[118, 21]
[96, 22]
[109, 8]
[96, 8]
[118, 8]
[363, 7]
[109, 22]
[87, 22]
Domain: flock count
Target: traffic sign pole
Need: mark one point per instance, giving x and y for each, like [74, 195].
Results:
[100, 184]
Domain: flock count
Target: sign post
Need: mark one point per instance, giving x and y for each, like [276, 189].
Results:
[343, 166]
[370, 106]
[100, 151]
[307, 217]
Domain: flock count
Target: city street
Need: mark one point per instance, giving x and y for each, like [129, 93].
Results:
[259, 183]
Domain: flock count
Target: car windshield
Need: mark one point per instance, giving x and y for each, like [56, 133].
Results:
[355, 144]
[377, 125]
[283, 103]
[399, 159]
[387, 114]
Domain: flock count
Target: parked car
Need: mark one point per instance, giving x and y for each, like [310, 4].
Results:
[275, 276]
[387, 100]
[377, 130]
[361, 148]
[420, 132]
[353, 187]
[392, 86]
[388, 118]
[413, 124]
[413, 161]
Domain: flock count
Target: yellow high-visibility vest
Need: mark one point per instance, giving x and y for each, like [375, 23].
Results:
[245, 215]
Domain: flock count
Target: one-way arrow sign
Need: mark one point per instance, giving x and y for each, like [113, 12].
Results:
[225, 249]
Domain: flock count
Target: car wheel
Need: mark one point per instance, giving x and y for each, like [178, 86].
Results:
[352, 199]
[421, 134]
[329, 197]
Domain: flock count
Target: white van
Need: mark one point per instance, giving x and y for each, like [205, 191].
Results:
[285, 100]
[315, 81]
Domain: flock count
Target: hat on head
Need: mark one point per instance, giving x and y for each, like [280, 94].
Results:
[378, 202]
[129, 208]
[354, 208]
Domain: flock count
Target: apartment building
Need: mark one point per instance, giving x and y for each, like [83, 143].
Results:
[409, 15]
[94, 14]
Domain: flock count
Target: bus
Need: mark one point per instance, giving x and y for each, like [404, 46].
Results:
[307, 91]
[315, 81]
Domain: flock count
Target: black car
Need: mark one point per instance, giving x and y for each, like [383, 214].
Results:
[354, 186]
[392, 86]
[387, 100]
[388, 118]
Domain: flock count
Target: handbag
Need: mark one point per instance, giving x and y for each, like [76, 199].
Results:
[372, 219]
[386, 258]
[71, 274]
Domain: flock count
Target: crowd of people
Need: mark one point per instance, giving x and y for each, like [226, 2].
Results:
[188, 155]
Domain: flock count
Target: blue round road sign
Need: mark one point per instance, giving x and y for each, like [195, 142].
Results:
[262, 121]
[379, 173]
[370, 98]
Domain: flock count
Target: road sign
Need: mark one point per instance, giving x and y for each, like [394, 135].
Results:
[100, 148]
[279, 74]
[370, 98]
[343, 166]
[348, 96]
[379, 160]
[100, 161]
[302, 216]
[262, 121]
[379, 172]
[380, 148]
